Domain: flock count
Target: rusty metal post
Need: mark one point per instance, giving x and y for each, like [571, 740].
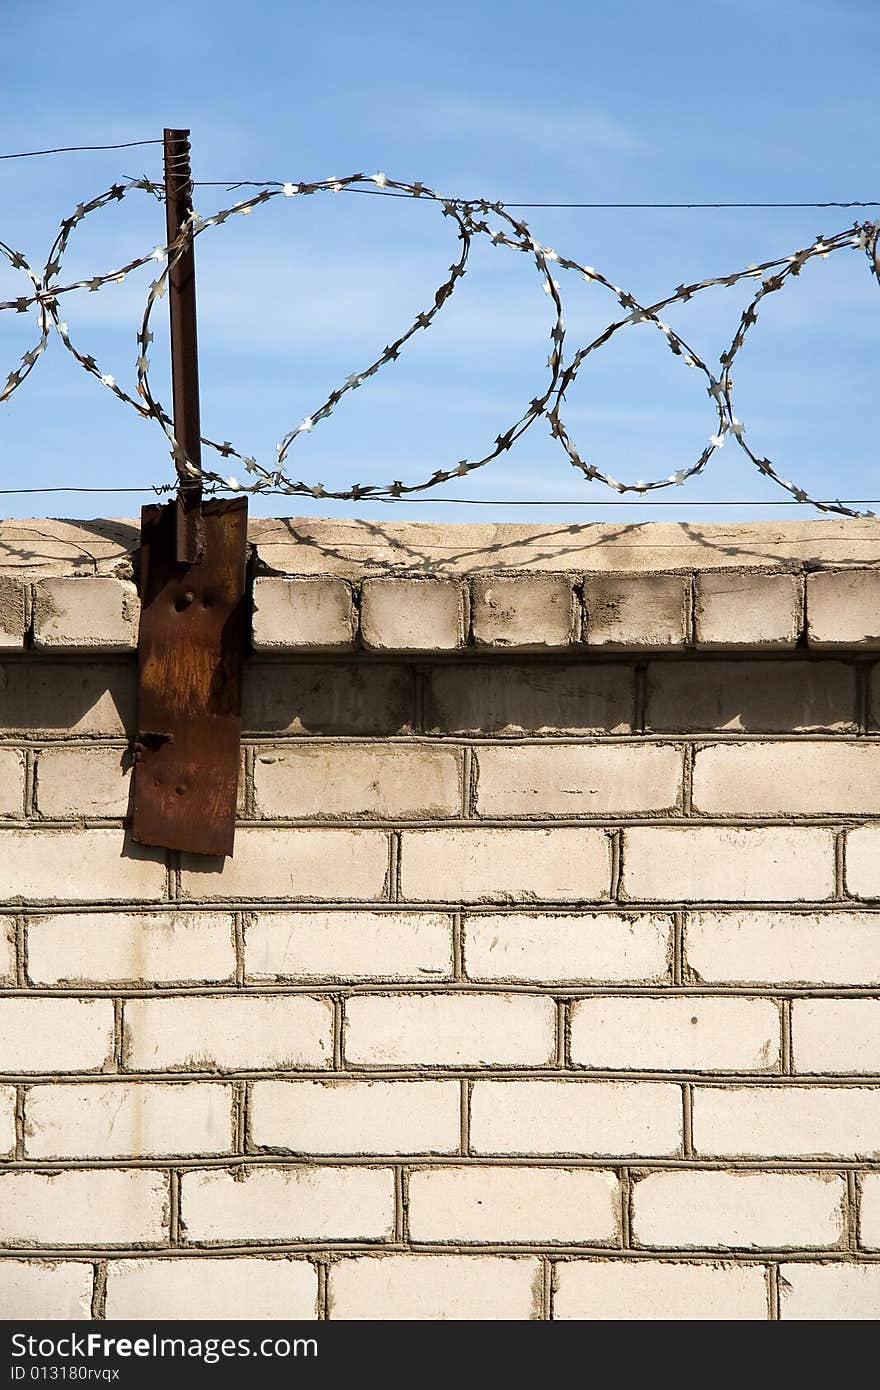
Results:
[184, 346]
[193, 626]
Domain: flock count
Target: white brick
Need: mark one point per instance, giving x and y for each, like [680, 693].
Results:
[575, 1117]
[55, 1035]
[727, 864]
[126, 1120]
[82, 781]
[528, 697]
[833, 948]
[137, 948]
[659, 1291]
[96, 1207]
[271, 863]
[588, 947]
[12, 614]
[843, 608]
[43, 1290]
[523, 1205]
[578, 779]
[694, 1033]
[413, 614]
[436, 1288]
[836, 1035]
[218, 1289]
[829, 1292]
[784, 778]
[450, 1030]
[285, 1204]
[348, 946]
[7, 950]
[228, 1033]
[7, 1121]
[505, 865]
[357, 1117]
[640, 611]
[67, 697]
[755, 697]
[863, 862]
[11, 783]
[787, 1121]
[59, 865]
[373, 780]
[869, 1224]
[302, 615]
[89, 614]
[747, 610]
[531, 611]
[739, 1211]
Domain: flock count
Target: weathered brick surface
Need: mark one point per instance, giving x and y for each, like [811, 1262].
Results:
[540, 698]
[355, 946]
[348, 946]
[748, 947]
[55, 1035]
[351, 1117]
[238, 1290]
[337, 781]
[42, 1290]
[76, 865]
[271, 863]
[791, 697]
[413, 615]
[12, 614]
[544, 980]
[436, 1288]
[836, 1035]
[829, 1292]
[577, 947]
[655, 1291]
[303, 615]
[526, 611]
[12, 783]
[739, 1211]
[227, 1033]
[106, 1206]
[748, 610]
[82, 781]
[513, 1205]
[577, 780]
[644, 612]
[733, 864]
[91, 614]
[139, 948]
[450, 1030]
[843, 609]
[742, 779]
[693, 1034]
[505, 865]
[792, 1121]
[122, 1120]
[567, 1118]
[273, 1204]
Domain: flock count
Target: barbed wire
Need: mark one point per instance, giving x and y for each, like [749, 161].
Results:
[472, 218]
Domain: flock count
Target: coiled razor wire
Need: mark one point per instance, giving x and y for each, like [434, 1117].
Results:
[471, 218]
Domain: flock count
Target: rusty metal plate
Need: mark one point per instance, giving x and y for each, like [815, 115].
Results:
[190, 653]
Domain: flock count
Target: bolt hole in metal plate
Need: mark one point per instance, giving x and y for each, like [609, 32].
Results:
[190, 650]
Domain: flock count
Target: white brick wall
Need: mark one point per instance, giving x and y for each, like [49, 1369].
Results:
[544, 980]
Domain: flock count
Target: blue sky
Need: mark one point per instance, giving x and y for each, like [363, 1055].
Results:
[694, 100]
